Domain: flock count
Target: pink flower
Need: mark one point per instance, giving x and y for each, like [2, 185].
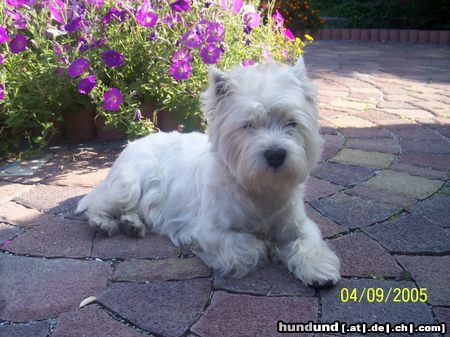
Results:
[16, 3]
[2, 97]
[57, 10]
[278, 19]
[248, 63]
[3, 35]
[145, 17]
[289, 34]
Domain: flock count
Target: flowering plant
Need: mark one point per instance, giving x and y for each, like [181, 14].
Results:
[120, 55]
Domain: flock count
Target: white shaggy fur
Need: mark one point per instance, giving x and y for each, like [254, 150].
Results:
[234, 195]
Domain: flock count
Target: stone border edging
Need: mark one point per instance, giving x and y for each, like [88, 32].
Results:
[440, 37]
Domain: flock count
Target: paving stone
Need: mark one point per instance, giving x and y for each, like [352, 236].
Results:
[91, 321]
[7, 232]
[331, 145]
[343, 174]
[328, 228]
[160, 270]
[362, 256]
[435, 209]
[363, 158]
[58, 238]
[410, 234]
[430, 272]
[84, 177]
[231, 315]
[374, 132]
[318, 188]
[368, 192]
[384, 145]
[17, 214]
[125, 247]
[439, 162]
[404, 184]
[425, 146]
[425, 172]
[334, 309]
[34, 329]
[26, 167]
[52, 199]
[443, 315]
[36, 288]
[272, 279]
[353, 212]
[8, 191]
[165, 308]
[352, 105]
[352, 121]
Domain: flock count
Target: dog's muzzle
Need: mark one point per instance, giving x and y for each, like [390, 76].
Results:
[275, 157]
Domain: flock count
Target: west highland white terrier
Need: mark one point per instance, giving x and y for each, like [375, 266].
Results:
[234, 195]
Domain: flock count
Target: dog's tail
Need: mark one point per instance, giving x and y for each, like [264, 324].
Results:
[82, 204]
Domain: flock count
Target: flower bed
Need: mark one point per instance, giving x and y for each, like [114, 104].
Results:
[114, 58]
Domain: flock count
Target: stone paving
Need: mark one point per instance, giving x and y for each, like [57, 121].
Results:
[381, 196]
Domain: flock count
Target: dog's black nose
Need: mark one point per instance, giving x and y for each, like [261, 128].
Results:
[275, 158]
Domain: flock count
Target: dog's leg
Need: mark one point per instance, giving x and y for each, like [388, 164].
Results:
[229, 252]
[307, 255]
[133, 225]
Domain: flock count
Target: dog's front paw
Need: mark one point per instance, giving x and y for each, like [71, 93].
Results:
[319, 267]
[133, 225]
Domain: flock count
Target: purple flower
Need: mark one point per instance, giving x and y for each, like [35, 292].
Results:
[210, 53]
[3, 35]
[112, 99]
[100, 42]
[138, 115]
[153, 36]
[173, 19]
[248, 63]
[181, 70]
[112, 14]
[192, 39]
[215, 32]
[278, 19]
[16, 3]
[18, 44]
[285, 53]
[73, 25]
[251, 20]
[2, 92]
[96, 3]
[182, 55]
[2, 59]
[112, 58]
[145, 17]
[181, 5]
[87, 84]
[57, 8]
[289, 34]
[19, 19]
[236, 6]
[266, 53]
[78, 67]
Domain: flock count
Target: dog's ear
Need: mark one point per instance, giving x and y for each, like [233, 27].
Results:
[219, 82]
[299, 68]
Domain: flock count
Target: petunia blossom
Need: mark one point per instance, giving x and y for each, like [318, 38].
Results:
[19, 19]
[96, 3]
[251, 20]
[288, 33]
[210, 53]
[181, 6]
[112, 58]
[73, 25]
[87, 84]
[145, 17]
[16, 3]
[181, 70]
[214, 32]
[182, 55]
[57, 10]
[248, 63]
[278, 19]
[78, 67]
[192, 39]
[2, 92]
[4, 37]
[18, 44]
[112, 99]
[2, 59]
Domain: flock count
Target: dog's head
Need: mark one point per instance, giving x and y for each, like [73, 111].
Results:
[262, 123]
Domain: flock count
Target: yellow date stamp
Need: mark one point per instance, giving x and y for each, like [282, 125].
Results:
[381, 295]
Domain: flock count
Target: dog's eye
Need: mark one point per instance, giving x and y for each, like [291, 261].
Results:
[292, 124]
[248, 125]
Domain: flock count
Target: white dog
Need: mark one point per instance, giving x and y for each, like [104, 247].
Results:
[235, 194]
